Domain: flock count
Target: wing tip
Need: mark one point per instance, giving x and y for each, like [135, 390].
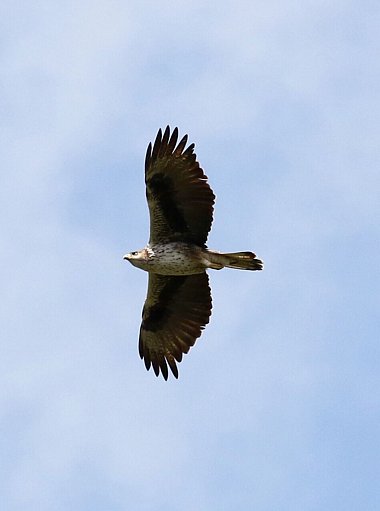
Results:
[159, 363]
[165, 144]
[148, 156]
[161, 367]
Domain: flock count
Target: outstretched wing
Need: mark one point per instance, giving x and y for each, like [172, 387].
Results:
[179, 198]
[175, 312]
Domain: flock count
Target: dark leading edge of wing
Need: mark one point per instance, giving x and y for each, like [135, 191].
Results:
[175, 312]
[179, 198]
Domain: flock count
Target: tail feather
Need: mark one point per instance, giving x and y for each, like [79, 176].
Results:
[237, 260]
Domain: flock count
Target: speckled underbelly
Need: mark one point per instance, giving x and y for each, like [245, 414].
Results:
[176, 259]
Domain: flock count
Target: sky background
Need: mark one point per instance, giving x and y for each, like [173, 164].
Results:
[278, 404]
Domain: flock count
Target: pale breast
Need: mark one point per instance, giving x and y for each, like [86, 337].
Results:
[175, 259]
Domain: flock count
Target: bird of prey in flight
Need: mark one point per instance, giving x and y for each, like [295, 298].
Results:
[178, 303]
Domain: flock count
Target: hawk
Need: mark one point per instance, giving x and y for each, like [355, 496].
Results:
[178, 303]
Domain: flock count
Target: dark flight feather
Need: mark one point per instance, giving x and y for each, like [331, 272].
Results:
[179, 198]
[175, 312]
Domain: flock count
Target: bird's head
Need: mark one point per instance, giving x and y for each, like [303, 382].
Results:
[138, 258]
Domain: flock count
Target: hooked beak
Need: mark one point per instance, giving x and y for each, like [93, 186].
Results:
[126, 257]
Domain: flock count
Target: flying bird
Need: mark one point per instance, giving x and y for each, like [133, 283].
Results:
[181, 204]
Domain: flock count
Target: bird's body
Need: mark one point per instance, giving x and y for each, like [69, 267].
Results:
[179, 258]
[178, 303]
[173, 258]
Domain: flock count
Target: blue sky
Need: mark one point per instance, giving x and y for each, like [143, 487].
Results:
[277, 406]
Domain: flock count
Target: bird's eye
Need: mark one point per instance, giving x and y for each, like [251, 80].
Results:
[133, 253]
